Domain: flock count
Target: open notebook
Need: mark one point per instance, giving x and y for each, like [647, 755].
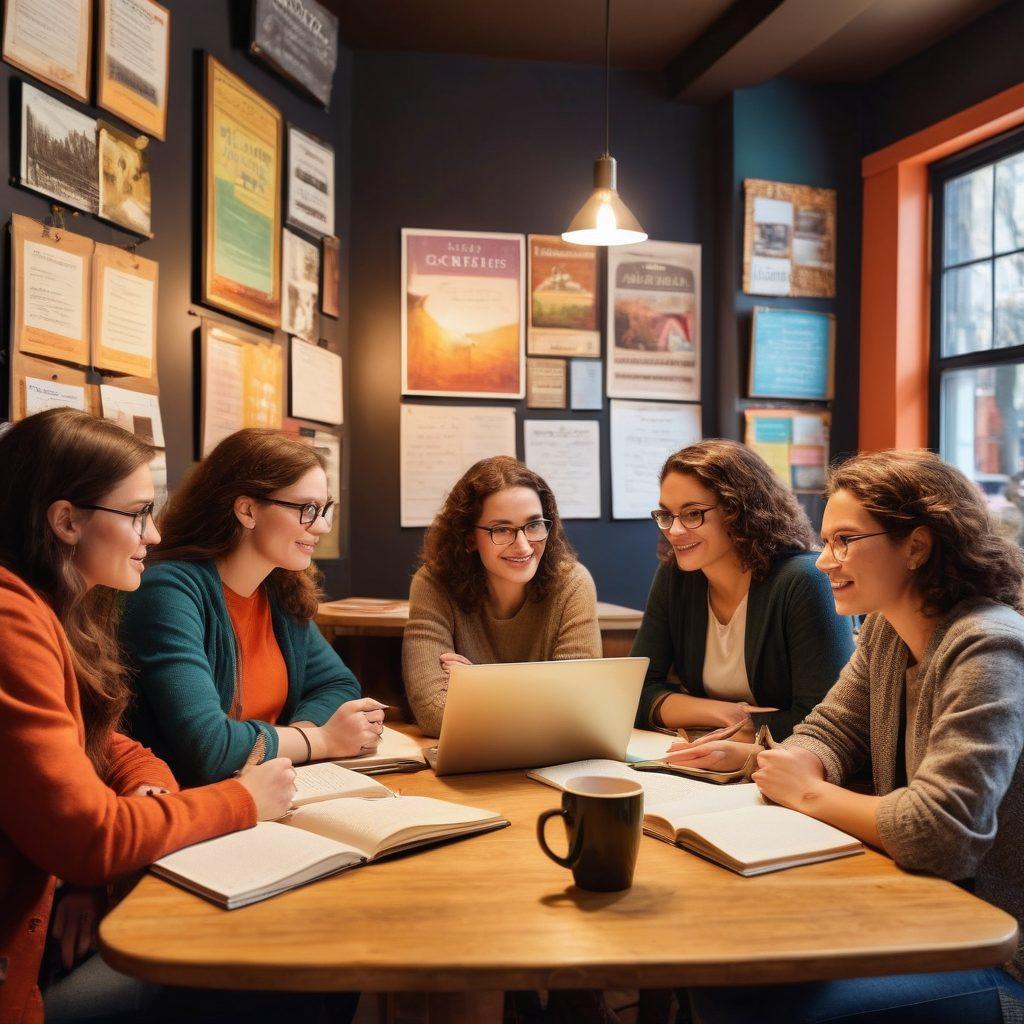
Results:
[396, 752]
[731, 825]
[327, 834]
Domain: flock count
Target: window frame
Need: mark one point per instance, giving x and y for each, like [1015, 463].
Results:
[989, 152]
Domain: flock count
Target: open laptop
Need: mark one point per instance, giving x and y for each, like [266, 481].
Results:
[536, 714]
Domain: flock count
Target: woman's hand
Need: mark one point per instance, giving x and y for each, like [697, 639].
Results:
[716, 755]
[354, 729]
[790, 777]
[76, 923]
[450, 658]
[271, 786]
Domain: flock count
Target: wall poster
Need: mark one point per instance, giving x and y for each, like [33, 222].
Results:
[298, 39]
[789, 239]
[330, 276]
[242, 380]
[126, 196]
[124, 310]
[794, 442]
[58, 155]
[462, 314]
[792, 354]
[310, 183]
[654, 321]
[242, 199]
[134, 65]
[301, 272]
[51, 273]
[563, 298]
[60, 58]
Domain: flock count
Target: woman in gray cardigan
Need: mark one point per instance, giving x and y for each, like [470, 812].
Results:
[739, 625]
[933, 699]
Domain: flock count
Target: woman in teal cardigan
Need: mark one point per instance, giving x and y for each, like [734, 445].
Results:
[229, 667]
[740, 628]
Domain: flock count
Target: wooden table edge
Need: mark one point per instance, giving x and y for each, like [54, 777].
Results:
[373, 977]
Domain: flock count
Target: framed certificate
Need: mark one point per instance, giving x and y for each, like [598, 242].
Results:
[241, 199]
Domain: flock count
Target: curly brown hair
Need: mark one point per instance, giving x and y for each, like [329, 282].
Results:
[907, 489]
[69, 455]
[199, 522]
[762, 518]
[445, 550]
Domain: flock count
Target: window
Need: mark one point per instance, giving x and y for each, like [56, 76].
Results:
[977, 364]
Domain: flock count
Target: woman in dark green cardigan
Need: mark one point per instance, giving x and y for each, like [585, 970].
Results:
[740, 628]
[229, 667]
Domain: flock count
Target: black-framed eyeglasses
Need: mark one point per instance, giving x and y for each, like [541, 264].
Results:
[535, 530]
[691, 519]
[140, 518]
[309, 512]
[839, 545]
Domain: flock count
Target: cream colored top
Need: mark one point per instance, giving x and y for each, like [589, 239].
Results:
[562, 626]
[725, 671]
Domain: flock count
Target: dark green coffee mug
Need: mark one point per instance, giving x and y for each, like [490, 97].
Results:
[603, 823]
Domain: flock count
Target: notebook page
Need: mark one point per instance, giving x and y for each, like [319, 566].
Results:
[766, 834]
[667, 816]
[323, 781]
[258, 858]
[393, 746]
[658, 789]
[373, 825]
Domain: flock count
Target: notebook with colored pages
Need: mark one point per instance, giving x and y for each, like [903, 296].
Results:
[324, 836]
[730, 825]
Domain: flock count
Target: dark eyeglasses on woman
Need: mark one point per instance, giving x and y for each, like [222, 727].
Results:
[691, 519]
[140, 518]
[533, 531]
[309, 512]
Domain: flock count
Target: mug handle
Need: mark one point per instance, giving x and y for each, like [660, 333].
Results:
[574, 852]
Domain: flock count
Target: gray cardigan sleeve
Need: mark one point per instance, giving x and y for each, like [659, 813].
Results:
[945, 820]
[429, 633]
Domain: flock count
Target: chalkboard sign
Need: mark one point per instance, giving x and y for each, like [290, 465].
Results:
[299, 40]
[791, 354]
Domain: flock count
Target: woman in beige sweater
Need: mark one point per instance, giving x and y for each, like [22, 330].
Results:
[933, 700]
[499, 583]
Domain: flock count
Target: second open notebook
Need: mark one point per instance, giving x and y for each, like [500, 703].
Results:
[731, 825]
[343, 820]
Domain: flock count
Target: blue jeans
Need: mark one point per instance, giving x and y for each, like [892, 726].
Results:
[957, 997]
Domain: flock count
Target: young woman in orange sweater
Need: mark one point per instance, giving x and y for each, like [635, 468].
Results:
[79, 801]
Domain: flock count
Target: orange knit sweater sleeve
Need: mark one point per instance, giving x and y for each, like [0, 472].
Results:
[133, 765]
[53, 806]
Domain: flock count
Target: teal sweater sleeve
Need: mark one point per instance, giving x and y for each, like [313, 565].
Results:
[654, 641]
[817, 644]
[180, 709]
[327, 681]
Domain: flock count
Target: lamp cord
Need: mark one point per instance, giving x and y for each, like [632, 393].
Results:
[607, 71]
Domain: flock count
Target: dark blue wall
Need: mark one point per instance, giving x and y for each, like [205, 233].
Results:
[465, 143]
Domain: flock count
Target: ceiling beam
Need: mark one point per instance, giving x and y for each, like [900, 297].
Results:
[756, 40]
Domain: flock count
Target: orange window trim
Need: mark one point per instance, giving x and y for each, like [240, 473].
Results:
[895, 269]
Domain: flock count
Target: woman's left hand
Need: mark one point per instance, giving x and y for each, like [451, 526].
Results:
[76, 923]
[788, 777]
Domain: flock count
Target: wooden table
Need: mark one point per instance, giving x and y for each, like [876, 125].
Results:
[367, 632]
[492, 912]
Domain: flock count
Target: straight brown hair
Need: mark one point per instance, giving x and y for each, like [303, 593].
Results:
[199, 523]
[66, 455]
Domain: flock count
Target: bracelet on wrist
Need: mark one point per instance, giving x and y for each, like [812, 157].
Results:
[309, 746]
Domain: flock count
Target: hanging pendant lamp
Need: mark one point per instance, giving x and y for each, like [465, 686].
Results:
[604, 219]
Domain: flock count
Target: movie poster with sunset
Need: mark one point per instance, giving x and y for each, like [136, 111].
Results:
[462, 314]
